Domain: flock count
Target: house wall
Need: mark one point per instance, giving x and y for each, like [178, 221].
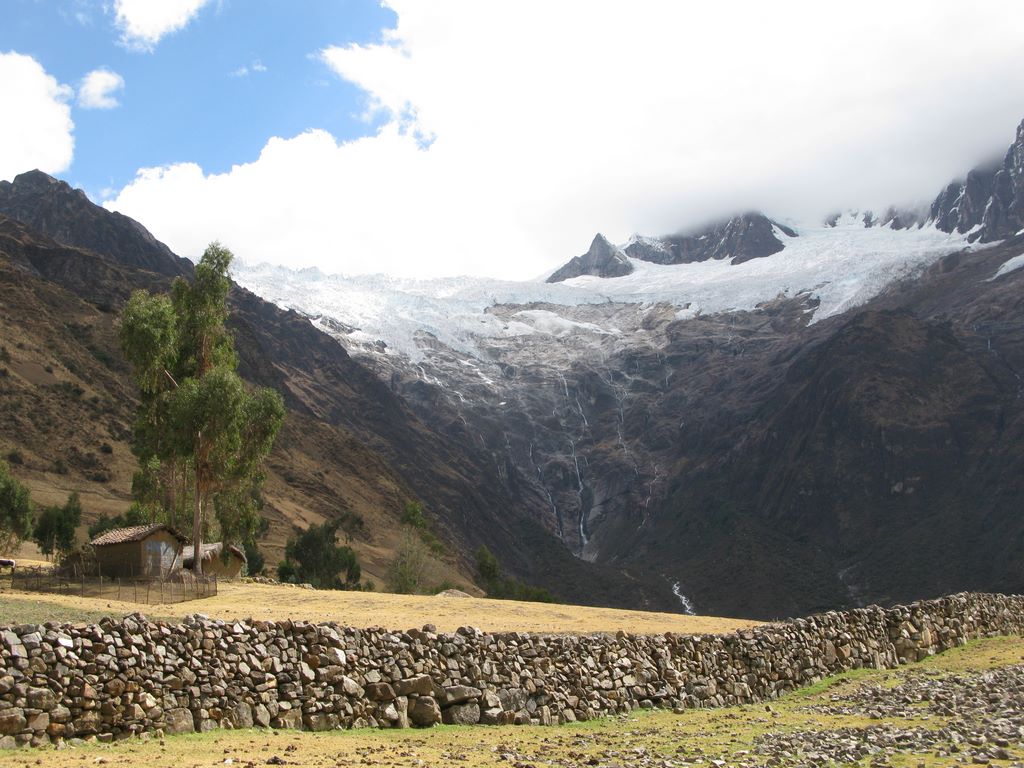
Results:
[157, 555]
[215, 566]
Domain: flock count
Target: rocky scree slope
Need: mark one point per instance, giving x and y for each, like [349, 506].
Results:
[351, 447]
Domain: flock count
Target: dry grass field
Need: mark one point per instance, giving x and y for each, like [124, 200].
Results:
[724, 737]
[240, 600]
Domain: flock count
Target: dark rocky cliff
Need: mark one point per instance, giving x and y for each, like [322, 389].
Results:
[989, 203]
[602, 259]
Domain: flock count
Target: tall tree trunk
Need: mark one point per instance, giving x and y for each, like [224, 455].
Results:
[197, 531]
[197, 519]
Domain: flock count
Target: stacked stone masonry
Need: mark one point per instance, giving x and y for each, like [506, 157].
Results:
[130, 677]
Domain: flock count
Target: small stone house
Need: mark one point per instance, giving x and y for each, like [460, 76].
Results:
[214, 562]
[139, 551]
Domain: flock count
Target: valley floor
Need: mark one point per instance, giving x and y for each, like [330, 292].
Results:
[242, 600]
[963, 706]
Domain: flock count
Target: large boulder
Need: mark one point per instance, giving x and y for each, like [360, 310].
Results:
[12, 721]
[458, 694]
[42, 698]
[421, 685]
[380, 691]
[461, 714]
[240, 715]
[424, 711]
[178, 720]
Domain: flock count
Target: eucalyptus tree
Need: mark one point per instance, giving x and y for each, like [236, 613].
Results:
[15, 511]
[201, 433]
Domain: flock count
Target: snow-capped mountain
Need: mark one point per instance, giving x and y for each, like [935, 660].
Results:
[839, 266]
[701, 404]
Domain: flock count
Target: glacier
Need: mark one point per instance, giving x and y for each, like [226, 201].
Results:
[840, 266]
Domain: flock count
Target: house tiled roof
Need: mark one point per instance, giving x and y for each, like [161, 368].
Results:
[213, 549]
[134, 533]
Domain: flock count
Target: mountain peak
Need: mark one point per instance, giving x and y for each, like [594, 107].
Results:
[989, 204]
[602, 260]
[65, 214]
[747, 236]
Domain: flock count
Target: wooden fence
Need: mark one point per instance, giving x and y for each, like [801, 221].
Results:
[175, 588]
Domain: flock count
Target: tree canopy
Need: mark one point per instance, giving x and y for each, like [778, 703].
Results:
[314, 556]
[201, 434]
[15, 510]
[54, 529]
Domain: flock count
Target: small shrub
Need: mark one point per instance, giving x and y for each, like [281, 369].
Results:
[15, 457]
[412, 515]
[313, 556]
[487, 565]
[254, 561]
[106, 448]
[60, 467]
[409, 568]
[287, 572]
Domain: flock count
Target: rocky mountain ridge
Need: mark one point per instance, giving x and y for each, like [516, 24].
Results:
[989, 204]
[602, 259]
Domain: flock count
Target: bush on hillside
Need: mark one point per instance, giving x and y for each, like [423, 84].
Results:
[506, 588]
[314, 556]
[409, 570]
[54, 529]
[134, 515]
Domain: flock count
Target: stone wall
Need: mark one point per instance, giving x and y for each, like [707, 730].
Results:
[132, 676]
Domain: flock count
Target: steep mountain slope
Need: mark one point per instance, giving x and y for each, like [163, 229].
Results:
[351, 445]
[885, 464]
[54, 209]
[67, 403]
[767, 433]
[602, 259]
[989, 203]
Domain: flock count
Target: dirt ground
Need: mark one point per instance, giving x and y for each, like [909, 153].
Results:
[240, 600]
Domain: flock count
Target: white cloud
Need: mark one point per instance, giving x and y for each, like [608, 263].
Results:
[244, 70]
[144, 22]
[36, 131]
[98, 88]
[515, 130]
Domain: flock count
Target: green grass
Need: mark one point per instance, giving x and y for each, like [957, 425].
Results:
[38, 612]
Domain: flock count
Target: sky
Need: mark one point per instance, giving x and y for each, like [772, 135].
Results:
[496, 137]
